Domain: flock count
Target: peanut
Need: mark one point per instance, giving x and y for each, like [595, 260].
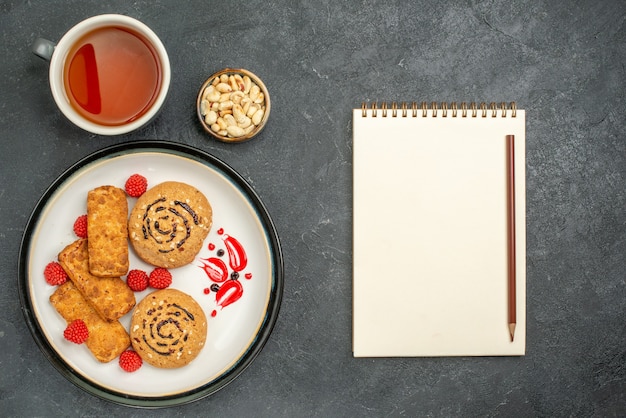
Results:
[223, 88]
[235, 131]
[258, 115]
[210, 118]
[232, 105]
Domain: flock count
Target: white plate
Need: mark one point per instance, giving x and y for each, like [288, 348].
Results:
[236, 332]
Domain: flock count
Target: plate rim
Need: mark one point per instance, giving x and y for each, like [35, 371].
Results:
[258, 340]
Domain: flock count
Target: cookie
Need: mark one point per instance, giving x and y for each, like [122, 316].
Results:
[168, 329]
[168, 224]
[109, 296]
[106, 340]
[107, 214]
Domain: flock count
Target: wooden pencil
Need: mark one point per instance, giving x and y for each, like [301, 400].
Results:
[510, 146]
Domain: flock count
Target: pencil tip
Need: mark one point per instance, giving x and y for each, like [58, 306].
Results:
[512, 331]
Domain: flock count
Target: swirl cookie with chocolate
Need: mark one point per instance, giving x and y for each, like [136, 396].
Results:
[168, 329]
[169, 223]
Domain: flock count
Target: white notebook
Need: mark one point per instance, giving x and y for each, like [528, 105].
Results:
[430, 265]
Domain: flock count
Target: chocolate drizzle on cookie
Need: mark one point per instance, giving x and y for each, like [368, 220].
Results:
[160, 223]
[162, 335]
[189, 210]
[189, 314]
[168, 328]
[168, 224]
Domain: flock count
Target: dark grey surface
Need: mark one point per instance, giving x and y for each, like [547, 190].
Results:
[564, 62]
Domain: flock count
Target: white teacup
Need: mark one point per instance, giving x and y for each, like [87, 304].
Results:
[109, 74]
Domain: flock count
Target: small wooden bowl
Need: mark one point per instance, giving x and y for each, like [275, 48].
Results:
[257, 129]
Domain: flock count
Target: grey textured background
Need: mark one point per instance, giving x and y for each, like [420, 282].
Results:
[564, 62]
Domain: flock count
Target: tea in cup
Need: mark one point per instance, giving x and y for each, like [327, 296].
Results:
[109, 74]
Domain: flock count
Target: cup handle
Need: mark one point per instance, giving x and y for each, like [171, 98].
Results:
[43, 48]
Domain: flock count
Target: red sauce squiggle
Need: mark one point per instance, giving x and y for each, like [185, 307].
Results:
[225, 275]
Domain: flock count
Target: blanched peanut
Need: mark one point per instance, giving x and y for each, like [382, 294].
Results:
[207, 91]
[226, 105]
[252, 110]
[235, 131]
[239, 80]
[204, 106]
[233, 83]
[245, 122]
[211, 94]
[210, 118]
[230, 120]
[238, 113]
[237, 96]
[258, 115]
[254, 92]
[223, 88]
[232, 105]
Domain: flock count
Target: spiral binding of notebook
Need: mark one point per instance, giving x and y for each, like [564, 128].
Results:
[443, 109]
